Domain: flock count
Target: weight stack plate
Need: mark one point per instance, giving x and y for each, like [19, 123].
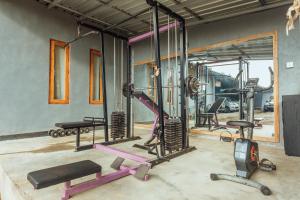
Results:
[173, 135]
[117, 125]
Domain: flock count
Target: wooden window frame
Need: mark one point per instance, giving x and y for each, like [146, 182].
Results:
[94, 52]
[51, 98]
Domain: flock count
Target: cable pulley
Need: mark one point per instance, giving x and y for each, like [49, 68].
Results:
[192, 85]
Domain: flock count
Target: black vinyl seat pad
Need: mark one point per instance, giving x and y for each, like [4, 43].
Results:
[80, 124]
[216, 106]
[63, 173]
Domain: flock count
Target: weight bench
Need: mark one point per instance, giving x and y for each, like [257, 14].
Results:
[63, 173]
[86, 123]
[66, 173]
[211, 114]
[69, 125]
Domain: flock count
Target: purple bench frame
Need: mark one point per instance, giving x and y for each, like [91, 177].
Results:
[71, 190]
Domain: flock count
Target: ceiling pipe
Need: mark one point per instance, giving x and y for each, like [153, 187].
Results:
[151, 33]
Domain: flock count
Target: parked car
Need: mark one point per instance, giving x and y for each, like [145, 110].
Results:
[229, 106]
[269, 106]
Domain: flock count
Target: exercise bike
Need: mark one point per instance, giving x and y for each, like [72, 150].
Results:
[246, 152]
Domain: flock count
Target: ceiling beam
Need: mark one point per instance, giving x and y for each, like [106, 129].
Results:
[127, 19]
[92, 10]
[263, 2]
[54, 3]
[190, 11]
[75, 12]
[259, 9]
[107, 3]
[89, 12]
[208, 55]
[240, 50]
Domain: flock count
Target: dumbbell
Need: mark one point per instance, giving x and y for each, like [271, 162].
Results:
[81, 131]
[54, 134]
[50, 132]
[61, 132]
[68, 132]
[73, 132]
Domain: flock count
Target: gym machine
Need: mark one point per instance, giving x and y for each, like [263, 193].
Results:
[172, 125]
[200, 98]
[246, 152]
[169, 132]
[67, 173]
[117, 118]
[200, 101]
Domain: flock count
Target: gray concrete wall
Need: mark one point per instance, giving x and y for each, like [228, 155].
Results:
[26, 27]
[141, 75]
[271, 20]
[141, 81]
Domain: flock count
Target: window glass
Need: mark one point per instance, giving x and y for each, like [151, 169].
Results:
[59, 73]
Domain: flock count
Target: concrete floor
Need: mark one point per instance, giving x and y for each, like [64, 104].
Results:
[268, 117]
[267, 130]
[186, 177]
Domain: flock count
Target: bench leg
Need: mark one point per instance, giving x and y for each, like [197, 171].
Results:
[78, 138]
[140, 172]
[204, 121]
[66, 195]
[209, 123]
[71, 190]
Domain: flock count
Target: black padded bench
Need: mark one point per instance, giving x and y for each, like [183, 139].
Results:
[63, 173]
[70, 125]
[212, 113]
[79, 125]
[87, 122]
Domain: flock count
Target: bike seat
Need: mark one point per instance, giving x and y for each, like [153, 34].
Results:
[242, 124]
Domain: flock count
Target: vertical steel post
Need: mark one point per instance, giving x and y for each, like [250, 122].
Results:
[128, 99]
[241, 110]
[250, 111]
[104, 89]
[247, 65]
[197, 97]
[206, 86]
[183, 92]
[159, 81]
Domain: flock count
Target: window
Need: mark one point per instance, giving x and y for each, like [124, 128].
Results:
[59, 72]
[96, 95]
